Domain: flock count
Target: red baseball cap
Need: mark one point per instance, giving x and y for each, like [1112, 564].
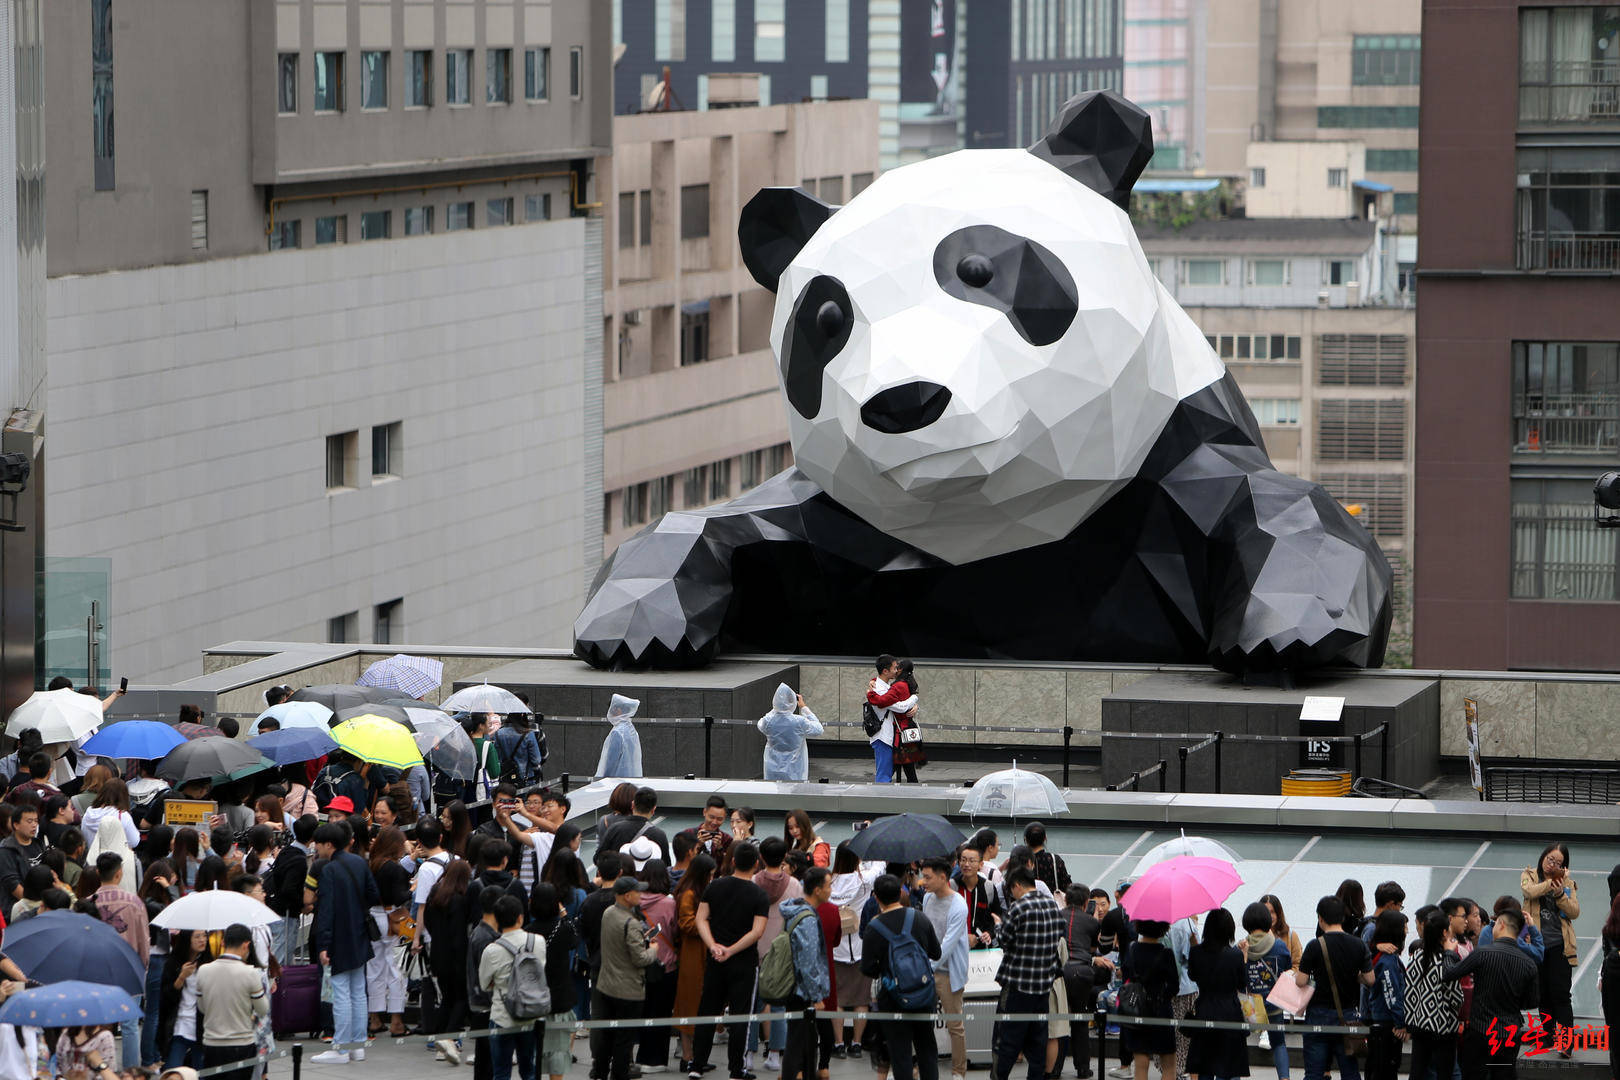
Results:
[343, 803]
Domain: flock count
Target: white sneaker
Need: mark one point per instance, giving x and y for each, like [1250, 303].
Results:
[773, 1061]
[331, 1057]
[448, 1052]
[357, 1055]
[1122, 1072]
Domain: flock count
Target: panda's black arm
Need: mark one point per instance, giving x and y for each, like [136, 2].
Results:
[661, 599]
[1295, 581]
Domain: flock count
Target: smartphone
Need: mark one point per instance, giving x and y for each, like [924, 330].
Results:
[123, 684]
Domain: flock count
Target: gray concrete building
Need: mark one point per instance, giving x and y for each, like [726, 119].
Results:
[263, 418]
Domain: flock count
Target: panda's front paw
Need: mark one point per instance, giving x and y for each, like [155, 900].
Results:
[658, 602]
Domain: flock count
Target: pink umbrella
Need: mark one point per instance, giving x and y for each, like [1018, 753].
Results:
[1180, 887]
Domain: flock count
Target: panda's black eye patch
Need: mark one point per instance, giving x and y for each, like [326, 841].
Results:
[982, 264]
[817, 331]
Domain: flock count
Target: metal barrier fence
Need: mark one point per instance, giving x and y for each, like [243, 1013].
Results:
[1519, 784]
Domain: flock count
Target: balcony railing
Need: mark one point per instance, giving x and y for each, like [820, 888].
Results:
[1566, 423]
[1539, 250]
[1570, 92]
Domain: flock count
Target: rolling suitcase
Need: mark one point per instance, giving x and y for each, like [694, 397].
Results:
[296, 1005]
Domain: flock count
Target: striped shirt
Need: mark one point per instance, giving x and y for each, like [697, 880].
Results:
[1506, 983]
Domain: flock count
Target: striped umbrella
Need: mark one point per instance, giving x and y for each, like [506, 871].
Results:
[413, 676]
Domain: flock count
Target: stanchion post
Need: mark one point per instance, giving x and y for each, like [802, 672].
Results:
[1358, 756]
[1068, 734]
[1101, 1020]
[298, 1061]
[708, 740]
[1181, 752]
[1219, 735]
[563, 779]
[1383, 751]
[1164, 773]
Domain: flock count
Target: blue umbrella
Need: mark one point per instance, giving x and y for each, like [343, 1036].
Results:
[69, 1004]
[57, 946]
[291, 745]
[292, 714]
[145, 739]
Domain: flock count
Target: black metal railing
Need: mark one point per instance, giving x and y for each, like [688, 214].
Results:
[1522, 784]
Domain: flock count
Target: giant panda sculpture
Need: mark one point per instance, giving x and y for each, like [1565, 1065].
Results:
[1010, 443]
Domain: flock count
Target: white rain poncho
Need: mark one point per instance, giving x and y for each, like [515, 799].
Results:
[786, 755]
[621, 750]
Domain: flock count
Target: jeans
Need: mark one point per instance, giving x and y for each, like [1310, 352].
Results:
[349, 1009]
[1278, 1038]
[1319, 1049]
[1437, 1052]
[727, 984]
[149, 1025]
[883, 755]
[612, 1060]
[283, 940]
[129, 1037]
[1015, 1036]
[1478, 1063]
[778, 1037]
[502, 1048]
[220, 1055]
[183, 1051]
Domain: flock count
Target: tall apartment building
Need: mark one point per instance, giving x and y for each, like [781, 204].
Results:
[1519, 402]
[324, 305]
[1165, 55]
[945, 73]
[692, 409]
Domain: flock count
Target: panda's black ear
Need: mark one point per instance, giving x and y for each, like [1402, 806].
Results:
[775, 226]
[1101, 140]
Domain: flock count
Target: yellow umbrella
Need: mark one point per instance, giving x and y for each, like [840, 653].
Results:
[378, 740]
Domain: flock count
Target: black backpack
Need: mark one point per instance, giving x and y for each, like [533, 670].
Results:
[871, 723]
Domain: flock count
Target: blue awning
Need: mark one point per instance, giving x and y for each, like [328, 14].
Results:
[1373, 185]
[1176, 185]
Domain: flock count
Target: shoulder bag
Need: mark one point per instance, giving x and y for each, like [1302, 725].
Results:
[1354, 1045]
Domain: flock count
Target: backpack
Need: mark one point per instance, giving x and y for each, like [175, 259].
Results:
[910, 981]
[324, 788]
[871, 722]
[528, 995]
[777, 977]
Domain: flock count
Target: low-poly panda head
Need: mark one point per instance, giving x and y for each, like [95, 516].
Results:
[974, 351]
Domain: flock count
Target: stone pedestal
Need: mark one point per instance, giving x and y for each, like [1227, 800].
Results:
[1199, 704]
[573, 697]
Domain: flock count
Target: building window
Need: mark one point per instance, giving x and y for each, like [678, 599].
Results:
[723, 31]
[720, 480]
[199, 221]
[1392, 160]
[1557, 554]
[1255, 346]
[1361, 359]
[633, 505]
[1337, 177]
[498, 212]
[101, 91]
[646, 218]
[1569, 65]
[752, 465]
[770, 31]
[459, 215]
[328, 82]
[331, 230]
[1338, 271]
[837, 32]
[627, 219]
[1569, 208]
[818, 88]
[669, 30]
[1275, 411]
[1361, 430]
[389, 620]
[418, 79]
[418, 220]
[859, 182]
[1268, 271]
[694, 486]
[660, 496]
[1566, 397]
[287, 83]
[373, 80]
[340, 461]
[1385, 60]
[1381, 497]
[284, 235]
[832, 189]
[1366, 116]
[1406, 202]
[386, 458]
[458, 76]
[694, 211]
[536, 74]
[776, 458]
[695, 335]
[576, 72]
[343, 629]
[1257, 178]
[374, 224]
[1203, 271]
[537, 207]
[497, 76]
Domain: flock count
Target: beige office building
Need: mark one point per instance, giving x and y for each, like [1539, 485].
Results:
[692, 414]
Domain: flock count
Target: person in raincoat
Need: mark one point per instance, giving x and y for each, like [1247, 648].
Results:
[621, 750]
[785, 728]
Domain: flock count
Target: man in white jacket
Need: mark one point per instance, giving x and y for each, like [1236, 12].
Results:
[887, 698]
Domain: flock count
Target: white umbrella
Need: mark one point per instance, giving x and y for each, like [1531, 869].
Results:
[1198, 846]
[484, 698]
[291, 714]
[214, 909]
[58, 715]
[1014, 792]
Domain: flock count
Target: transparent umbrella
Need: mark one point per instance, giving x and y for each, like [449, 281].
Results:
[1014, 793]
[484, 698]
[1199, 846]
[447, 747]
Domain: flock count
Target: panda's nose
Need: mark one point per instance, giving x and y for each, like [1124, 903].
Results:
[906, 407]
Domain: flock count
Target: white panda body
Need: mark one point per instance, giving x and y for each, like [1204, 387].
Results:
[1035, 436]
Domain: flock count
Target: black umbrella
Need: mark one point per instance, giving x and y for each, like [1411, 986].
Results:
[388, 712]
[339, 696]
[906, 838]
[206, 758]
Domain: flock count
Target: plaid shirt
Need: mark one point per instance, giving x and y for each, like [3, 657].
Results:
[1029, 943]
